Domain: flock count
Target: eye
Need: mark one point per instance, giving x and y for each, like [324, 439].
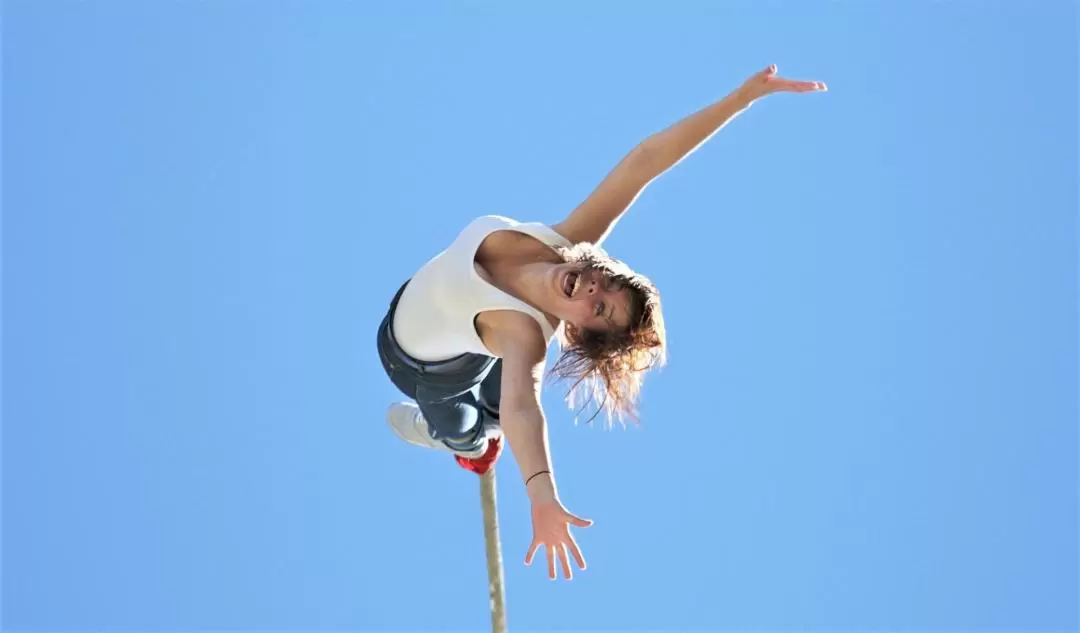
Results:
[599, 308]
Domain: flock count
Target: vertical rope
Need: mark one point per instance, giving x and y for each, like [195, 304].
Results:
[496, 590]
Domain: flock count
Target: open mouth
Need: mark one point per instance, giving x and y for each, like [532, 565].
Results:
[570, 283]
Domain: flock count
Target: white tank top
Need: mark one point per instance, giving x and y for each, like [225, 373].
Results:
[435, 315]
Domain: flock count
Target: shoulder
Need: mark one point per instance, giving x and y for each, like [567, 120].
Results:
[539, 230]
[490, 222]
[514, 336]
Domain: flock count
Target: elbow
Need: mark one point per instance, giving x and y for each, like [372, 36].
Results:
[522, 418]
[520, 410]
[647, 158]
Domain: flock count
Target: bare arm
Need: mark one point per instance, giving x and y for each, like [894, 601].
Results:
[523, 351]
[517, 339]
[593, 220]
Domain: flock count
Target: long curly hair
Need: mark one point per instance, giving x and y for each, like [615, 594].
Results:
[608, 368]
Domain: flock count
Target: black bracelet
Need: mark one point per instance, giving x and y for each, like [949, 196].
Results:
[536, 474]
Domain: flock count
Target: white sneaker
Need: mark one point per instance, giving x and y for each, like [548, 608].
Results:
[408, 423]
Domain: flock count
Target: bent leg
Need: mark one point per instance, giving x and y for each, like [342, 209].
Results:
[491, 391]
[454, 420]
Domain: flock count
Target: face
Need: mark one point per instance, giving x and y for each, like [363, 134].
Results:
[588, 299]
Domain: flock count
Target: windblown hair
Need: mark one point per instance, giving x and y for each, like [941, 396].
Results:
[610, 367]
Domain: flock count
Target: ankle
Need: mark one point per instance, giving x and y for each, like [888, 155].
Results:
[468, 446]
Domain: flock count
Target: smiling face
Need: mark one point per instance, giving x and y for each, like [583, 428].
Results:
[590, 299]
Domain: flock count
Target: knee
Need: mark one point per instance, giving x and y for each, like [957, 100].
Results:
[489, 401]
[451, 422]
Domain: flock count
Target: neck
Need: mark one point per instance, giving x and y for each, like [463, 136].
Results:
[530, 284]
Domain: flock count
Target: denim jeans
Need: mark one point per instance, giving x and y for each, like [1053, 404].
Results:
[457, 396]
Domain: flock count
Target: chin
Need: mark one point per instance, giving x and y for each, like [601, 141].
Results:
[555, 278]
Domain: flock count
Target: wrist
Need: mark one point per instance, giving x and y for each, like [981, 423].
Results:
[746, 94]
[540, 487]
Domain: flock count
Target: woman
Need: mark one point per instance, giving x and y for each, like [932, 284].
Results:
[466, 337]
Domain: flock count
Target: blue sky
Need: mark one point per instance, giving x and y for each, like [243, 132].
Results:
[868, 421]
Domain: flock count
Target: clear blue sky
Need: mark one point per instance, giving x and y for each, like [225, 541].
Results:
[868, 420]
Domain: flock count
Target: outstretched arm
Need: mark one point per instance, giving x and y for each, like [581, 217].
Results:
[594, 218]
[518, 340]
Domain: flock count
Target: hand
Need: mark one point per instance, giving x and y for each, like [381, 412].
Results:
[766, 82]
[551, 528]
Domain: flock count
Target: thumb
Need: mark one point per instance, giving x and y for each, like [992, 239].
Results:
[578, 521]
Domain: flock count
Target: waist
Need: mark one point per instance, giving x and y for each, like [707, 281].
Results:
[467, 362]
